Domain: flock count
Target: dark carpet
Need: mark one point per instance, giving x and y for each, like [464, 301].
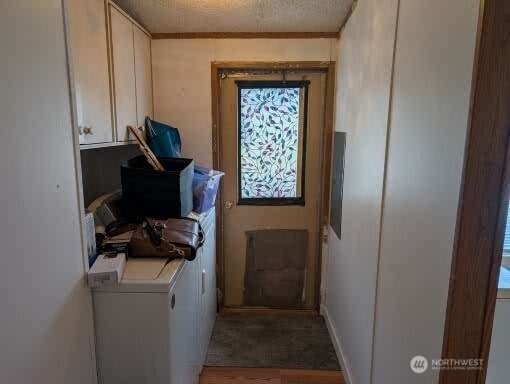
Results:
[287, 342]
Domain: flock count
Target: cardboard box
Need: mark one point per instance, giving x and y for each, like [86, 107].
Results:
[107, 270]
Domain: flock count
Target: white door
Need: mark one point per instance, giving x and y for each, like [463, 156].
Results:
[123, 54]
[87, 24]
[143, 75]
[271, 140]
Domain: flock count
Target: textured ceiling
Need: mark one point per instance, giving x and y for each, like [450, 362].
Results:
[167, 16]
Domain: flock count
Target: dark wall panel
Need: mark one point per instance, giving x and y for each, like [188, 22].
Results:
[275, 268]
[101, 169]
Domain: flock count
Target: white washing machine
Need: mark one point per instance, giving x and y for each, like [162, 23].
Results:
[155, 326]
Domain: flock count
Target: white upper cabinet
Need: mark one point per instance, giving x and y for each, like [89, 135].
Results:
[123, 55]
[132, 73]
[88, 38]
[112, 69]
[143, 75]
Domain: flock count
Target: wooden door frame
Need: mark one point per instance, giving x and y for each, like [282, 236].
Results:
[327, 139]
[484, 201]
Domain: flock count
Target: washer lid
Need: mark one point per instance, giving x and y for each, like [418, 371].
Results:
[147, 275]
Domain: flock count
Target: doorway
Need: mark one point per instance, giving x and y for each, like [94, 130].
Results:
[271, 141]
[479, 266]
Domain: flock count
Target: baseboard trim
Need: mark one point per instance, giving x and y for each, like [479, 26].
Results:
[336, 344]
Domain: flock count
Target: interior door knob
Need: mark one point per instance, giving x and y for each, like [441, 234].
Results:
[229, 204]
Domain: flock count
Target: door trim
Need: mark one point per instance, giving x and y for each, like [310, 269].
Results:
[483, 202]
[329, 69]
[254, 311]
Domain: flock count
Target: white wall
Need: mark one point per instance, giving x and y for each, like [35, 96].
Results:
[182, 79]
[497, 369]
[45, 317]
[363, 93]
[418, 189]
[429, 117]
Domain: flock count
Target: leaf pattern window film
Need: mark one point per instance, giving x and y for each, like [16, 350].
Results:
[271, 141]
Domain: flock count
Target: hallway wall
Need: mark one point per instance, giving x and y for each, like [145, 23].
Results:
[393, 258]
[362, 101]
[182, 79]
[428, 125]
[46, 329]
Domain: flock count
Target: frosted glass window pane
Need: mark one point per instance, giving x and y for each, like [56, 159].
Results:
[271, 141]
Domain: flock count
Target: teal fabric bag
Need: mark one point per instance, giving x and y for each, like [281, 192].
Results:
[164, 140]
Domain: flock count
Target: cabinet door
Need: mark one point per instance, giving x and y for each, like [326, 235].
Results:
[143, 75]
[87, 24]
[183, 320]
[122, 31]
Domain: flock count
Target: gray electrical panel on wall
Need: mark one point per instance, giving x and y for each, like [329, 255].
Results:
[337, 183]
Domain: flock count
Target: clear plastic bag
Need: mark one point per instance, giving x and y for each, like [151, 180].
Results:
[205, 188]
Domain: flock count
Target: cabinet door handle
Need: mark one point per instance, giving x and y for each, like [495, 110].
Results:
[172, 301]
[203, 281]
[87, 130]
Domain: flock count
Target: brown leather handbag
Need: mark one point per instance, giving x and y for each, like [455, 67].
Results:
[169, 238]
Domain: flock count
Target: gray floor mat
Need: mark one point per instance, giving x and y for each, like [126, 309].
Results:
[299, 342]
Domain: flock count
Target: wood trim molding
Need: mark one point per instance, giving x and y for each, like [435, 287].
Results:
[326, 160]
[246, 35]
[329, 68]
[277, 65]
[329, 121]
[484, 201]
[216, 103]
[227, 311]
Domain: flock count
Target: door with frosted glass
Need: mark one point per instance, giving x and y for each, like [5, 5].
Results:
[271, 132]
